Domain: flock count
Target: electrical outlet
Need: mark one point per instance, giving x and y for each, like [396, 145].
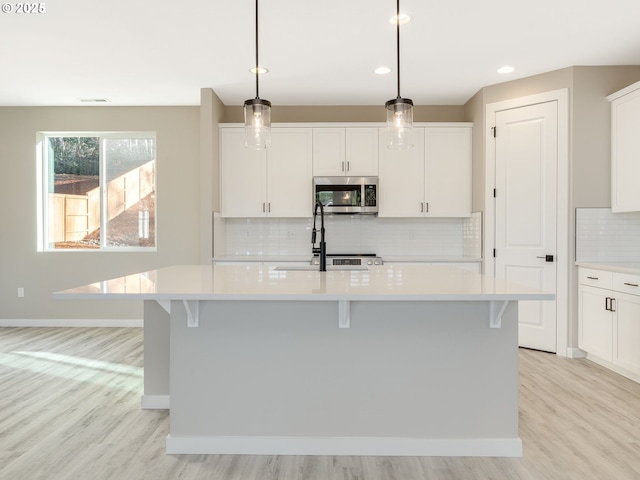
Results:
[20, 292]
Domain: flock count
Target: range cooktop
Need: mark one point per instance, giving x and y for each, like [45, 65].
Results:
[349, 259]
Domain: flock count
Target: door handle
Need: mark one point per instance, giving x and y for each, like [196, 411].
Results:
[547, 258]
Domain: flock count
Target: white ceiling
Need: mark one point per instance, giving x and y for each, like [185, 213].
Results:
[319, 52]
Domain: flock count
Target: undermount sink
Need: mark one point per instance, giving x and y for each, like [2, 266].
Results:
[311, 268]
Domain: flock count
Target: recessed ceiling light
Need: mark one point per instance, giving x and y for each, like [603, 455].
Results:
[506, 69]
[404, 18]
[94, 100]
[259, 70]
[382, 70]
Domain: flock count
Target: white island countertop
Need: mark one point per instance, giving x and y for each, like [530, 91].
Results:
[396, 359]
[249, 282]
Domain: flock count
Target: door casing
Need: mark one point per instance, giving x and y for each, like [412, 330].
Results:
[563, 214]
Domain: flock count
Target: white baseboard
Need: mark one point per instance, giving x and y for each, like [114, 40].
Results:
[358, 446]
[70, 322]
[576, 353]
[154, 402]
[614, 368]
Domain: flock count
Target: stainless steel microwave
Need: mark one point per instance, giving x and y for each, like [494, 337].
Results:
[346, 194]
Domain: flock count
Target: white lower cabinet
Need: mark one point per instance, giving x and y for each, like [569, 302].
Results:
[626, 351]
[596, 322]
[609, 318]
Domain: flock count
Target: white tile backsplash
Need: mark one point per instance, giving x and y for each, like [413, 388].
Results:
[356, 234]
[602, 236]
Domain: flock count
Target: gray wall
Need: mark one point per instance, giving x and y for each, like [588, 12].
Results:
[41, 273]
[188, 178]
[211, 114]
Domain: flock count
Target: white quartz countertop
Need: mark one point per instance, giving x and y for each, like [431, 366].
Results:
[258, 282]
[275, 259]
[632, 268]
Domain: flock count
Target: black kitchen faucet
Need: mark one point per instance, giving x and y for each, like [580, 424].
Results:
[322, 249]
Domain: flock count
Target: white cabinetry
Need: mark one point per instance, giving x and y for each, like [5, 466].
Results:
[345, 151]
[625, 149]
[432, 179]
[275, 182]
[609, 319]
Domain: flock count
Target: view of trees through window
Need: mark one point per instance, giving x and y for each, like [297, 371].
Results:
[100, 191]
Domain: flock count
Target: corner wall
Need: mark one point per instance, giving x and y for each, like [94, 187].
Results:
[211, 114]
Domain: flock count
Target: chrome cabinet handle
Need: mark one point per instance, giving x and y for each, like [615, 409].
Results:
[264, 209]
[631, 284]
[348, 168]
[343, 166]
[590, 278]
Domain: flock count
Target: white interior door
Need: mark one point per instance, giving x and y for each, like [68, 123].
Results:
[526, 213]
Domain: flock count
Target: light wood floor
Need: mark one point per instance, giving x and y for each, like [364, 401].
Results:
[70, 409]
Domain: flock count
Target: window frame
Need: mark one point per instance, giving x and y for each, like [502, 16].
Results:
[43, 174]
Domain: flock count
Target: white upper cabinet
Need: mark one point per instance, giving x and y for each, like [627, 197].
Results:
[625, 149]
[349, 151]
[448, 171]
[289, 176]
[243, 171]
[401, 179]
[432, 179]
[275, 182]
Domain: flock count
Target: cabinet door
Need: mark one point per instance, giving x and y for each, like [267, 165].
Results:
[242, 176]
[595, 323]
[361, 152]
[625, 153]
[289, 178]
[401, 178]
[627, 332]
[329, 152]
[448, 171]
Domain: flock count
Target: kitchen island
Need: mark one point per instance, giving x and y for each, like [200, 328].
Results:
[389, 360]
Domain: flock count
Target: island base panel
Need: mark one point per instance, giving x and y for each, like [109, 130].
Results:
[408, 378]
[156, 357]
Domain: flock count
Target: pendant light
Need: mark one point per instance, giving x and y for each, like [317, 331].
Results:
[257, 112]
[399, 110]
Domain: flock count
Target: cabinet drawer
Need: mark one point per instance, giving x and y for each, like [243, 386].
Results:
[623, 282]
[596, 278]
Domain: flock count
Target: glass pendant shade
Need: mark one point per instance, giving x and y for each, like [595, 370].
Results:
[399, 110]
[399, 123]
[257, 123]
[257, 112]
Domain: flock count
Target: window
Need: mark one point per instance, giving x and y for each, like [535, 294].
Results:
[97, 191]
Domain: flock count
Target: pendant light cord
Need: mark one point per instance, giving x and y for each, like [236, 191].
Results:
[398, 42]
[257, 73]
